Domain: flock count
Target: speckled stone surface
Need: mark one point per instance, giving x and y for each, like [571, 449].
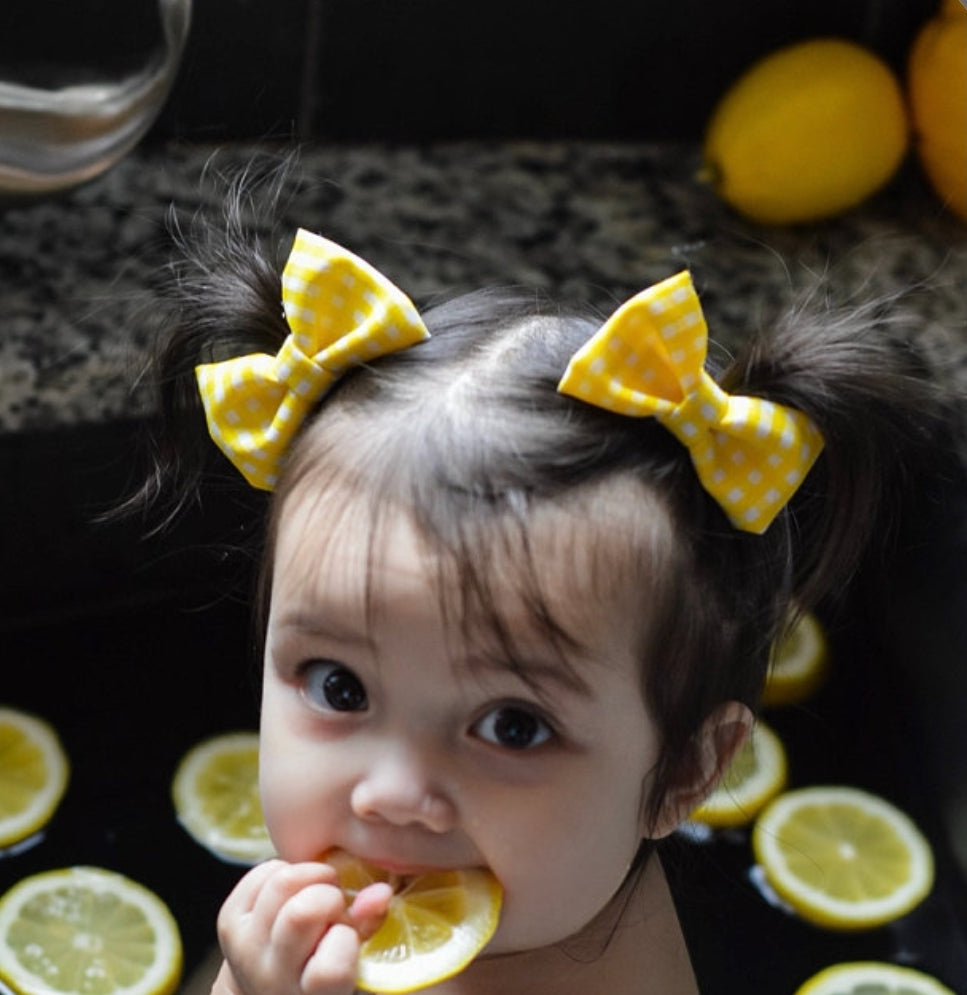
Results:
[584, 222]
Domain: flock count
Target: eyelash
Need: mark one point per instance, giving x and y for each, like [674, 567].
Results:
[325, 688]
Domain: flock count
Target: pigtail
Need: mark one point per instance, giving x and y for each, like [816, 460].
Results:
[856, 372]
[221, 297]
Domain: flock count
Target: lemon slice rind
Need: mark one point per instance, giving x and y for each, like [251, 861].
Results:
[33, 741]
[872, 978]
[789, 855]
[215, 791]
[737, 802]
[139, 917]
[422, 915]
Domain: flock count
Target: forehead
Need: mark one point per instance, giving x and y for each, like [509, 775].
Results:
[547, 571]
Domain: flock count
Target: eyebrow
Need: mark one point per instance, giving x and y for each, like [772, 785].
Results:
[533, 671]
[327, 628]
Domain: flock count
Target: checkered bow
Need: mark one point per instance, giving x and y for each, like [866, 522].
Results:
[648, 360]
[341, 313]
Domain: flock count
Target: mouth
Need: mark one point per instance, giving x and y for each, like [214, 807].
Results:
[402, 869]
[398, 873]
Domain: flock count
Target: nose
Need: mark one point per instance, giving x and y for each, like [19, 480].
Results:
[398, 787]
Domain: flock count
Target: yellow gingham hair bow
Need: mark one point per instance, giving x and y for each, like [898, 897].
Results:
[341, 313]
[648, 360]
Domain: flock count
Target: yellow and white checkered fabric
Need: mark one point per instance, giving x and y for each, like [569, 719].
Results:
[648, 360]
[341, 313]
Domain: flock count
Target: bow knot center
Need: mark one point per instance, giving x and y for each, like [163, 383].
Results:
[300, 373]
[702, 409]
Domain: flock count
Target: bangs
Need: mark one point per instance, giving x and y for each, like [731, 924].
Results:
[508, 574]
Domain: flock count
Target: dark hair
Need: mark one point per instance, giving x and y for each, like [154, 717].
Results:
[489, 442]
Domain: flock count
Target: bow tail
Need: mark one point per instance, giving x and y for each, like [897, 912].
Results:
[752, 474]
[250, 414]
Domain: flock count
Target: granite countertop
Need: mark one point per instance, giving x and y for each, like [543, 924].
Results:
[585, 221]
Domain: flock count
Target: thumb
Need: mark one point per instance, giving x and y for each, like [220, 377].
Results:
[369, 909]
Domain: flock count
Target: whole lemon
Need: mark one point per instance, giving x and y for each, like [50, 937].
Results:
[807, 132]
[937, 88]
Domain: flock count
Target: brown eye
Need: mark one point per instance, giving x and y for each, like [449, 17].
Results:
[513, 728]
[331, 686]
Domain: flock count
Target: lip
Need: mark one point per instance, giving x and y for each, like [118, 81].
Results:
[390, 865]
[402, 868]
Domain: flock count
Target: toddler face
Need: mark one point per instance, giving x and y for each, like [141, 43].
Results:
[389, 733]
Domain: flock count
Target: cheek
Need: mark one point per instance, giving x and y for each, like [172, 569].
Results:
[300, 809]
[295, 798]
[563, 866]
[279, 803]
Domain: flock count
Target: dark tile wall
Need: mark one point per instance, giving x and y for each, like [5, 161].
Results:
[68, 555]
[49, 42]
[425, 69]
[598, 68]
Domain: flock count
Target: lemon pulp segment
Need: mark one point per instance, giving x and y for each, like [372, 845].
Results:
[33, 774]
[872, 978]
[843, 858]
[87, 931]
[436, 924]
[216, 798]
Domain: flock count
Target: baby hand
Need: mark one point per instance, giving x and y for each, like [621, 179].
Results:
[286, 930]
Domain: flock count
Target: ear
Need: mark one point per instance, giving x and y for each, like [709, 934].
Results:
[713, 748]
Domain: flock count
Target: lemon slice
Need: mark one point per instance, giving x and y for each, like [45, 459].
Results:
[216, 797]
[872, 978]
[799, 664]
[756, 775]
[436, 924]
[87, 931]
[33, 775]
[843, 858]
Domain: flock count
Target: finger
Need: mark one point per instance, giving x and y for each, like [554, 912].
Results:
[369, 908]
[249, 912]
[242, 897]
[288, 880]
[333, 966]
[304, 920]
[269, 945]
